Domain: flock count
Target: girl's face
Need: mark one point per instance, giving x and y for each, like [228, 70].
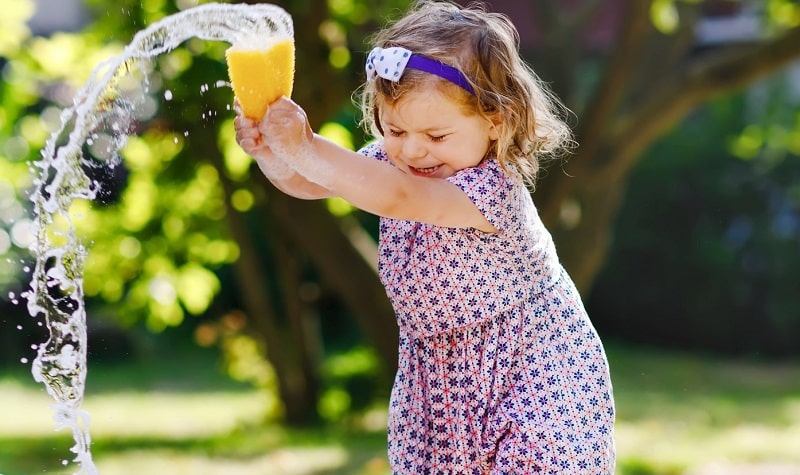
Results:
[428, 134]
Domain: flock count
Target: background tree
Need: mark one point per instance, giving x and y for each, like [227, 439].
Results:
[188, 226]
[231, 242]
[655, 74]
[705, 251]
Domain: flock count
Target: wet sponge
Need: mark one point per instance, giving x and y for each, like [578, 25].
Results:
[261, 76]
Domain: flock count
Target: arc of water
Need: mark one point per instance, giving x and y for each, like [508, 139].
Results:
[56, 289]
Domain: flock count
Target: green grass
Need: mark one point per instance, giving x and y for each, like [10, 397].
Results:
[677, 414]
[682, 413]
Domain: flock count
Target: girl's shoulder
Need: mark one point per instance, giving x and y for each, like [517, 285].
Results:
[494, 192]
[374, 150]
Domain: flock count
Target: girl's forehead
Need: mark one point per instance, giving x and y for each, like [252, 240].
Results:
[425, 95]
[424, 109]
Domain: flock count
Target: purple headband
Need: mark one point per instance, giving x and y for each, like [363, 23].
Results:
[389, 63]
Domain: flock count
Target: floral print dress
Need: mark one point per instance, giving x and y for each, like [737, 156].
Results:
[500, 369]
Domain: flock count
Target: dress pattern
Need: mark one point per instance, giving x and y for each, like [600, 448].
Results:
[500, 368]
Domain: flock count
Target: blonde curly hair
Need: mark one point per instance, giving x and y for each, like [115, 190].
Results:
[485, 47]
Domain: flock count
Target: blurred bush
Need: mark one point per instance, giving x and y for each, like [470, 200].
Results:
[707, 246]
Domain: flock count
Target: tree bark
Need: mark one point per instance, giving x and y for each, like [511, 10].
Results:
[614, 138]
[281, 325]
[347, 259]
[619, 74]
[674, 97]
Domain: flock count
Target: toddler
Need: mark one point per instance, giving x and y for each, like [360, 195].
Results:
[500, 369]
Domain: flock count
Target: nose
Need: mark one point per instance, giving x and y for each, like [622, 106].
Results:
[413, 148]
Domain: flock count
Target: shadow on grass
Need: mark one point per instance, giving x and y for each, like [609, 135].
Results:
[26, 455]
[180, 369]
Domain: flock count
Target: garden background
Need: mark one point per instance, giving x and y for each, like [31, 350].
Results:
[235, 330]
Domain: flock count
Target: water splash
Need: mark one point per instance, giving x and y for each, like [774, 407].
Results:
[94, 129]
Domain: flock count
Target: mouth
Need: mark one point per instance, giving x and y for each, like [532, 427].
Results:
[429, 171]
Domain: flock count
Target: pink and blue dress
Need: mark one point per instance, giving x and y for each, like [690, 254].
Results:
[500, 369]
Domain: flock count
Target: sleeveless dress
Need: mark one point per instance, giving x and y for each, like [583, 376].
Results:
[500, 369]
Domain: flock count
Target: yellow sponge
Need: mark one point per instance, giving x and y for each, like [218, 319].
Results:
[261, 76]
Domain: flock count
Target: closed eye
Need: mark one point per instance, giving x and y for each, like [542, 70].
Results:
[437, 138]
[396, 133]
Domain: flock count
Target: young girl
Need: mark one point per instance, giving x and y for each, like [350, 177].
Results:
[501, 370]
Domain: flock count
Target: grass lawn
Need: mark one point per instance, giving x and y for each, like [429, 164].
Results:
[677, 414]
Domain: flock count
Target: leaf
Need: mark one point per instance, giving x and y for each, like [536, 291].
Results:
[13, 29]
[664, 16]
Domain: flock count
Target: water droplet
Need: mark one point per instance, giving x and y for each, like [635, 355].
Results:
[19, 327]
[168, 95]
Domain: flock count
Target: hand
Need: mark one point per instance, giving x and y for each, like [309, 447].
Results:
[250, 138]
[247, 134]
[286, 130]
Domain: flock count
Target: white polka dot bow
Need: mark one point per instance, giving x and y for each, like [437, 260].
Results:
[387, 63]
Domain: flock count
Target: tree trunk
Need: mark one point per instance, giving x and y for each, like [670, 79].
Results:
[347, 259]
[583, 248]
[615, 136]
[282, 325]
[299, 324]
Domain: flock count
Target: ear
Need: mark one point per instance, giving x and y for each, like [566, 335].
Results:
[496, 121]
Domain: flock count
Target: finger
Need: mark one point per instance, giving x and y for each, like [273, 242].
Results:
[283, 116]
[245, 134]
[248, 143]
[249, 138]
[246, 128]
[244, 121]
[283, 102]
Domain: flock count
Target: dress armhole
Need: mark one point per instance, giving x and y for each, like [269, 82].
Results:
[491, 189]
[375, 150]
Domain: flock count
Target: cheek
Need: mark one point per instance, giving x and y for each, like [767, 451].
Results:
[391, 144]
[392, 147]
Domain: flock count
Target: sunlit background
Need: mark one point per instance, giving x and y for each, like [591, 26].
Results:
[233, 330]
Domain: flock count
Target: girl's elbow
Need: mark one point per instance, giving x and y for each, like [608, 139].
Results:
[392, 203]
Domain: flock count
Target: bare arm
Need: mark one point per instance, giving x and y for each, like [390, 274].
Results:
[371, 185]
[278, 172]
